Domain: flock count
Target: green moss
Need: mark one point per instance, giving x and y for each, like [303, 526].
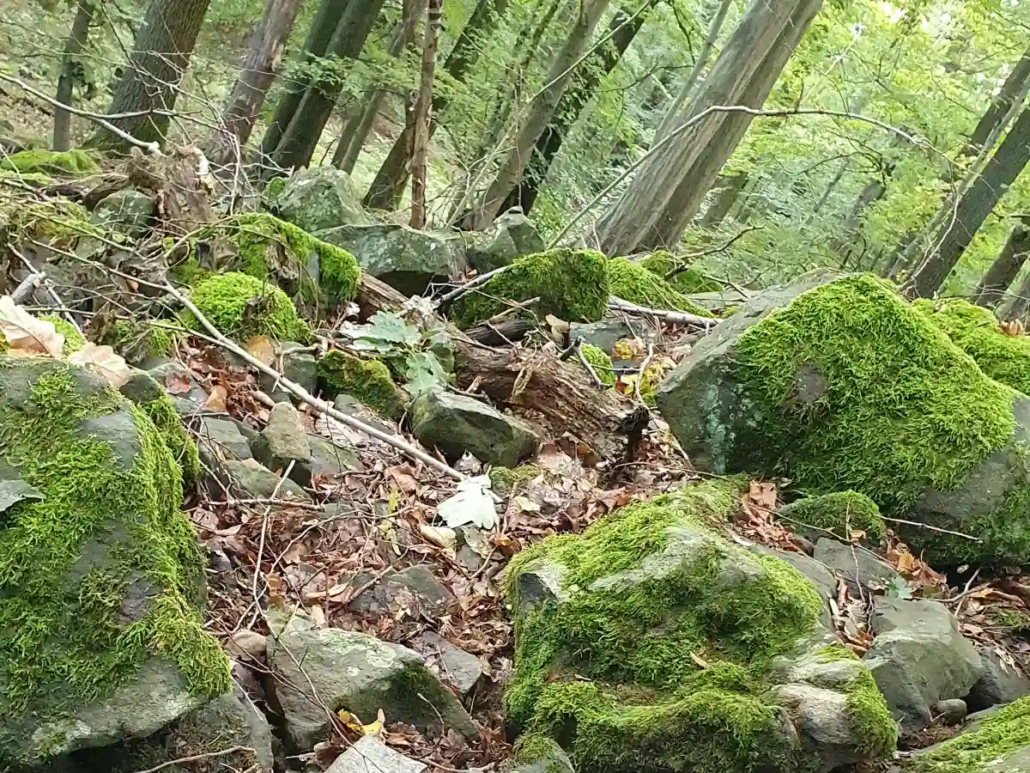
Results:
[241, 306]
[58, 220]
[977, 332]
[136, 341]
[600, 362]
[368, 381]
[870, 718]
[571, 284]
[274, 189]
[116, 502]
[505, 480]
[687, 281]
[73, 339]
[535, 749]
[178, 441]
[74, 162]
[632, 282]
[840, 512]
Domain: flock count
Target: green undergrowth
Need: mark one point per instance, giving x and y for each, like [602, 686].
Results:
[841, 513]
[241, 306]
[977, 332]
[137, 340]
[506, 480]
[368, 381]
[600, 362]
[868, 714]
[686, 280]
[70, 162]
[109, 527]
[631, 282]
[58, 221]
[570, 284]
[614, 670]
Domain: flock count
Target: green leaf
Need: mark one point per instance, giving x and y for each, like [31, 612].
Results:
[422, 372]
[389, 327]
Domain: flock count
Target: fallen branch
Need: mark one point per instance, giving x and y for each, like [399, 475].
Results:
[471, 284]
[588, 366]
[933, 528]
[678, 317]
[199, 757]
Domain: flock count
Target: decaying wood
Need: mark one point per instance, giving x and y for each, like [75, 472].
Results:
[502, 333]
[374, 295]
[181, 181]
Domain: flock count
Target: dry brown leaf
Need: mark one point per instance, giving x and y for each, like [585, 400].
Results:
[26, 335]
[104, 361]
[177, 384]
[763, 494]
[440, 536]
[216, 401]
[262, 347]
[405, 480]
[906, 563]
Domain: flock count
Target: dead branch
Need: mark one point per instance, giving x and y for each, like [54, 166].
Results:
[678, 317]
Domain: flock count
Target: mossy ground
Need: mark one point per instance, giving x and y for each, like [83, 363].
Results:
[841, 513]
[631, 282]
[66, 644]
[571, 284]
[505, 480]
[685, 280]
[369, 381]
[639, 699]
[71, 162]
[136, 341]
[600, 362]
[241, 306]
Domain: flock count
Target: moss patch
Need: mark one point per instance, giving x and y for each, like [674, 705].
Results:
[685, 280]
[73, 339]
[71, 162]
[241, 306]
[870, 718]
[109, 527]
[841, 512]
[369, 381]
[571, 284]
[600, 362]
[632, 282]
[136, 341]
[504, 480]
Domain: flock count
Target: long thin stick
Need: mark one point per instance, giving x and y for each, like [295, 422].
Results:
[680, 317]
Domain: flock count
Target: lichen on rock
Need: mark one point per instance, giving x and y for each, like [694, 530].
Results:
[632, 282]
[241, 306]
[369, 381]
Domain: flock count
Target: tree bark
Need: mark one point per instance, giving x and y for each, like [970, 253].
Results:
[871, 192]
[1003, 271]
[327, 17]
[255, 78]
[1012, 93]
[666, 191]
[387, 188]
[423, 108]
[1020, 303]
[70, 73]
[724, 200]
[542, 109]
[972, 210]
[159, 60]
[595, 68]
[301, 137]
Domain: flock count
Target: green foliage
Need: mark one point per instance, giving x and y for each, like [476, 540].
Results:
[368, 381]
[631, 282]
[841, 512]
[72, 162]
[683, 278]
[600, 362]
[241, 306]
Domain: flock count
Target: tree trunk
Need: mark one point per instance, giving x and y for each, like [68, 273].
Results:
[327, 17]
[598, 65]
[301, 137]
[159, 60]
[1012, 93]
[724, 200]
[356, 130]
[872, 192]
[667, 190]
[1021, 302]
[70, 72]
[423, 108]
[1003, 271]
[542, 109]
[256, 76]
[388, 186]
[973, 208]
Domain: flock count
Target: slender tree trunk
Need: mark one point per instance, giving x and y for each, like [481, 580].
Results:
[542, 109]
[666, 191]
[301, 137]
[356, 130]
[255, 78]
[973, 208]
[70, 69]
[597, 66]
[327, 17]
[872, 192]
[423, 108]
[724, 200]
[1003, 271]
[159, 60]
[672, 115]
[829, 189]
[387, 188]
[1021, 302]
[1012, 94]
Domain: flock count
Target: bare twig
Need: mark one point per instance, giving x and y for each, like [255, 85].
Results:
[198, 757]
[26, 287]
[264, 532]
[933, 528]
[679, 317]
[49, 288]
[588, 366]
[473, 283]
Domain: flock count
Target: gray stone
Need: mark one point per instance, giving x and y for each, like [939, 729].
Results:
[537, 754]
[605, 333]
[858, 566]
[256, 482]
[128, 210]
[1000, 683]
[301, 367]
[283, 440]
[352, 406]
[510, 236]
[816, 572]
[426, 591]
[318, 198]
[453, 665]
[404, 258]
[919, 658]
[821, 717]
[459, 423]
[221, 439]
[327, 458]
[359, 673]
[180, 383]
[951, 712]
[370, 755]
[142, 388]
[471, 545]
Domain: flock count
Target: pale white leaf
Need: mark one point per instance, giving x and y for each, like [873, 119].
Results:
[104, 361]
[471, 503]
[26, 335]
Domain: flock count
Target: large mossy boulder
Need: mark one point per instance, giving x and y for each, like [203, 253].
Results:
[843, 385]
[241, 306]
[101, 576]
[510, 236]
[74, 163]
[129, 211]
[318, 198]
[653, 642]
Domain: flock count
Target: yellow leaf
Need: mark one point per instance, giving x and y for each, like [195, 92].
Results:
[26, 335]
[376, 728]
[104, 361]
[262, 348]
[351, 722]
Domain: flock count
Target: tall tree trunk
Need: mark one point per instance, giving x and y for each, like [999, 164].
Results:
[70, 72]
[1021, 302]
[255, 78]
[423, 108]
[1003, 271]
[327, 17]
[829, 189]
[1012, 93]
[667, 190]
[595, 68]
[301, 137]
[543, 108]
[672, 115]
[724, 200]
[159, 60]
[387, 188]
[871, 192]
[976, 204]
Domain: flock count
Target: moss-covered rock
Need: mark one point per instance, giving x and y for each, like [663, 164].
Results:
[129, 211]
[101, 575]
[138, 340]
[70, 162]
[653, 636]
[241, 306]
[631, 282]
[977, 332]
[600, 362]
[571, 284]
[144, 390]
[366, 380]
[847, 386]
[842, 513]
[318, 198]
[685, 280]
